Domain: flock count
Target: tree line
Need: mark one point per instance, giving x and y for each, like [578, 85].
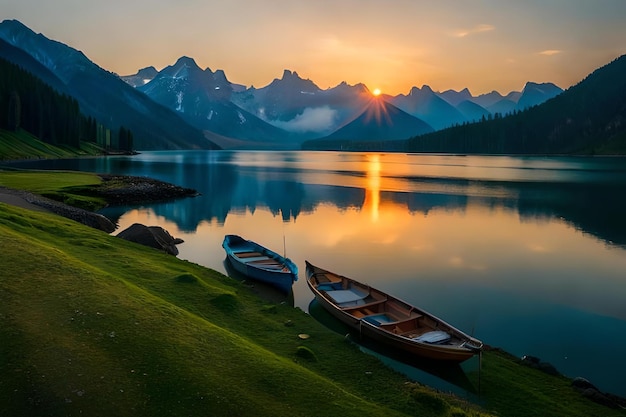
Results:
[28, 103]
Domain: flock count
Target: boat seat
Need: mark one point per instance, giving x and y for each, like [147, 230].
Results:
[255, 259]
[247, 254]
[378, 319]
[329, 286]
[344, 298]
[434, 337]
[327, 277]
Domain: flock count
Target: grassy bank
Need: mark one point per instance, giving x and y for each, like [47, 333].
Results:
[97, 325]
[94, 325]
[65, 186]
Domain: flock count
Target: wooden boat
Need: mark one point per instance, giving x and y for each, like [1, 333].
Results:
[259, 263]
[389, 320]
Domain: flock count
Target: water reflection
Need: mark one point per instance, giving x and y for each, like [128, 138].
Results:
[525, 253]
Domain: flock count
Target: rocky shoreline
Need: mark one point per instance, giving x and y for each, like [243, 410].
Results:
[115, 190]
[125, 189]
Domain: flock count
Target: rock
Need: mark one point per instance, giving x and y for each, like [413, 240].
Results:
[152, 236]
[536, 363]
[588, 390]
[582, 384]
[123, 189]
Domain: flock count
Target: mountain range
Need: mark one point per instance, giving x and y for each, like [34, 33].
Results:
[587, 118]
[301, 110]
[185, 107]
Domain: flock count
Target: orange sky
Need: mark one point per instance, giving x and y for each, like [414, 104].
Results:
[391, 45]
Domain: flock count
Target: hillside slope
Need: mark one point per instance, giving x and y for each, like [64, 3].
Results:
[95, 325]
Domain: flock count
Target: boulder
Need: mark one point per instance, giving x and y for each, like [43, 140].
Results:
[588, 390]
[536, 363]
[152, 236]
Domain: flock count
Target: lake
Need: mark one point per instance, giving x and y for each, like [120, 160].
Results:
[525, 253]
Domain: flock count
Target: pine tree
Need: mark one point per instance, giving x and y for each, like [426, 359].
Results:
[15, 112]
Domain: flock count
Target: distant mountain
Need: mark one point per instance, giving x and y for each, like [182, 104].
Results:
[494, 102]
[488, 99]
[428, 106]
[203, 98]
[301, 107]
[143, 77]
[587, 118]
[534, 94]
[455, 97]
[102, 94]
[380, 121]
[504, 106]
[471, 111]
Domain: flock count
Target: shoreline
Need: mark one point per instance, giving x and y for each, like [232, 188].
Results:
[115, 190]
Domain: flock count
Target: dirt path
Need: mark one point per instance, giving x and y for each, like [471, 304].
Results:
[30, 201]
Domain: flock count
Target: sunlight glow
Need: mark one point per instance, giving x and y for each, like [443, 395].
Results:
[376, 92]
[372, 191]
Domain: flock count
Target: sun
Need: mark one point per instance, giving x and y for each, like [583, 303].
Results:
[376, 92]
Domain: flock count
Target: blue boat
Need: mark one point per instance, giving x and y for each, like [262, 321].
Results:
[259, 263]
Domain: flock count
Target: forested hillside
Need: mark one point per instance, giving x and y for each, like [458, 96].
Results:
[588, 118]
[28, 103]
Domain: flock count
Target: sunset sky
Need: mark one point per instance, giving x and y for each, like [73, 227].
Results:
[391, 45]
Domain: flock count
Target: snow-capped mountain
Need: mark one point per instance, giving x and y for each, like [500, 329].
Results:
[143, 77]
[203, 98]
[301, 107]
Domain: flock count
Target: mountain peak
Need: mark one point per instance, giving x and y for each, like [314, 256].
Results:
[288, 75]
[185, 60]
[219, 75]
[15, 25]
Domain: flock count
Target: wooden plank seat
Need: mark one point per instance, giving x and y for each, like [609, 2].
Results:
[247, 254]
[326, 277]
[267, 261]
[364, 309]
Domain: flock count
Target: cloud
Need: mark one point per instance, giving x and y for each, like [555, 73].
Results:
[476, 29]
[312, 119]
[550, 52]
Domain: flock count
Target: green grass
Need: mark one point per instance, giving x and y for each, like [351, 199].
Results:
[96, 325]
[23, 145]
[64, 186]
[512, 389]
[91, 324]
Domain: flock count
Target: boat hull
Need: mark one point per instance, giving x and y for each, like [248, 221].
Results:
[268, 267]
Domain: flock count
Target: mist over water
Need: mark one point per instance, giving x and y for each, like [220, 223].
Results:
[527, 254]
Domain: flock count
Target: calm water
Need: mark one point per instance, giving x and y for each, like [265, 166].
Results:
[527, 254]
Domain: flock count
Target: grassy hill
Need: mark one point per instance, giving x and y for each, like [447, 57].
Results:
[23, 145]
[94, 325]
